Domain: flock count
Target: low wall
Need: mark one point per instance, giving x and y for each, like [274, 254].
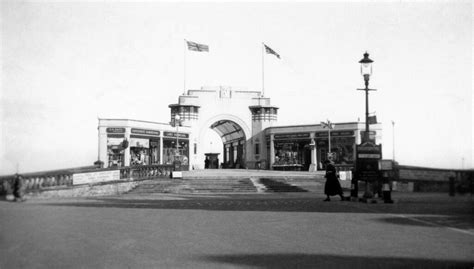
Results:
[82, 181]
[422, 179]
[425, 174]
[113, 188]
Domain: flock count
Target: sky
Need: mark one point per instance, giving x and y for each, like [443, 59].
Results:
[65, 64]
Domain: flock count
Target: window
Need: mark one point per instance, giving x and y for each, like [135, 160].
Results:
[257, 149]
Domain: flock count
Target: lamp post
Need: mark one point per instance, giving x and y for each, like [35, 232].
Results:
[177, 122]
[366, 71]
[393, 139]
[330, 126]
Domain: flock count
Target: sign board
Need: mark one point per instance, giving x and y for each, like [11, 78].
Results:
[369, 150]
[385, 165]
[177, 174]
[95, 177]
[335, 133]
[367, 161]
[115, 130]
[173, 134]
[146, 132]
[291, 136]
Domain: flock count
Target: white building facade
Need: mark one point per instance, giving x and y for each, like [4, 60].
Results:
[244, 120]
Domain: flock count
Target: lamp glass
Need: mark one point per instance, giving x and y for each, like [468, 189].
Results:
[366, 69]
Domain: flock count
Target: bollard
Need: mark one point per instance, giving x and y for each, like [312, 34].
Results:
[387, 195]
[354, 189]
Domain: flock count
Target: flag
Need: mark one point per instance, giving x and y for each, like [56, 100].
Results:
[270, 51]
[197, 47]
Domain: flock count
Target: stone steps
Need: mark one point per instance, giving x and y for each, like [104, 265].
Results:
[195, 186]
[234, 180]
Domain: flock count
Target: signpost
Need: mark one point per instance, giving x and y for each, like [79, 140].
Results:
[368, 155]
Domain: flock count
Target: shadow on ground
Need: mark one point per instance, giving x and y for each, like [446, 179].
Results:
[290, 204]
[284, 260]
[465, 222]
[425, 214]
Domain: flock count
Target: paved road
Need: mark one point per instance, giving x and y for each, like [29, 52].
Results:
[238, 231]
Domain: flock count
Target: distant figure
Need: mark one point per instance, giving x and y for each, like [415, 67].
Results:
[17, 188]
[332, 186]
[206, 163]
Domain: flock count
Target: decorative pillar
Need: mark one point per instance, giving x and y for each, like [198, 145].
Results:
[161, 149]
[225, 154]
[272, 151]
[103, 155]
[314, 160]
[264, 116]
[126, 157]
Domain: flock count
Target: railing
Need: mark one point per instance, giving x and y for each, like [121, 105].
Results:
[59, 179]
[146, 171]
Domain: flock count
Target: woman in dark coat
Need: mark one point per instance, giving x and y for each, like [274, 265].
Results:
[332, 186]
[18, 188]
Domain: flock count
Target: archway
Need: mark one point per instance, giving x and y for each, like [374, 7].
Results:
[233, 133]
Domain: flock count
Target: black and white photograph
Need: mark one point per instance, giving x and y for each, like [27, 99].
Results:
[236, 134]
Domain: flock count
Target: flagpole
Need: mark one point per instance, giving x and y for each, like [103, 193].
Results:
[263, 69]
[184, 75]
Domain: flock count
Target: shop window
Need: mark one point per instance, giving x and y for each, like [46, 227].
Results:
[139, 151]
[144, 151]
[115, 151]
[169, 151]
[290, 153]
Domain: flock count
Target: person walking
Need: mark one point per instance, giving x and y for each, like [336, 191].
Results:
[332, 185]
[18, 188]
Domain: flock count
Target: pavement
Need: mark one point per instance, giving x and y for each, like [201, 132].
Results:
[282, 230]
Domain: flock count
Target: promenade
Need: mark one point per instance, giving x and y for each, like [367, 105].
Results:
[269, 230]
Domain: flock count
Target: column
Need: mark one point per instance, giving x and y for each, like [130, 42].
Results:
[126, 157]
[225, 153]
[272, 151]
[358, 139]
[161, 148]
[314, 160]
[103, 156]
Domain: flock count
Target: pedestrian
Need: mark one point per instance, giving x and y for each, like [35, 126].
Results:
[332, 185]
[206, 162]
[18, 188]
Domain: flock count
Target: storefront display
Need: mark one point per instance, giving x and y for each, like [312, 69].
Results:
[342, 147]
[292, 151]
[169, 148]
[144, 147]
[115, 150]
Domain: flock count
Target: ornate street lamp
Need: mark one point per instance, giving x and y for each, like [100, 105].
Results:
[177, 122]
[366, 71]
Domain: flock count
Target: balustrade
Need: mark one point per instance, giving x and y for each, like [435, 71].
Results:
[64, 178]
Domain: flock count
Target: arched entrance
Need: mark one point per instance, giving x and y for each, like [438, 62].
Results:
[233, 133]
[233, 139]
[238, 117]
